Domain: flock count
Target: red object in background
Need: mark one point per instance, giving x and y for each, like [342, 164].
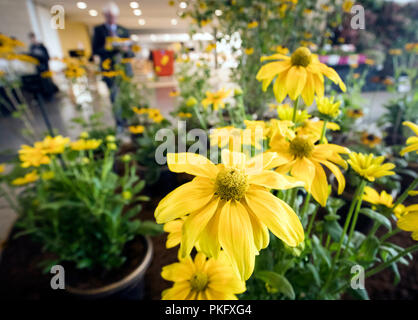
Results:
[163, 62]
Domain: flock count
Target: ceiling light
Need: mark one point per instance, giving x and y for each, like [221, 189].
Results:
[174, 22]
[93, 13]
[134, 37]
[141, 22]
[218, 12]
[183, 5]
[81, 5]
[134, 5]
[137, 12]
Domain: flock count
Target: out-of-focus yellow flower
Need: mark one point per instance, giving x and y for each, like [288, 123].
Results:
[53, 145]
[136, 129]
[33, 157]
[28, 178]
[372, 196]
[210, 47]
[74, 72]
[2, 167]
[409, 220]
[370, 167]
[171, 3]
[370, 139]
[413, 193]
[230, 207]
[298, 75]
[174, 93]
[216, 99]
[84, 135]
[369, 62]
[186, 115]
[47, 175]
[355, 113]
[307, 12]
[411, 47]
[281, 50]
[226, 136]
[328, 107]
[304, 160]
[83, 144]
[127, 195]
[347, 4]
[191, 102]
[205, 22]
[356, 75]
[252, 25]
[140, 111]
[107, 64]
[249, 51]
[326, 8]
[395, 52]
[313, 128]
[412, 142]
[136, 48]
[202, 279]
[285, 112]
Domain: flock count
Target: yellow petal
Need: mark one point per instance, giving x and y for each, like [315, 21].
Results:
[319, 187]
[295, 81]
[233, 159]
[191, 163]
[338, 175]
[274, 180]
[303, 169]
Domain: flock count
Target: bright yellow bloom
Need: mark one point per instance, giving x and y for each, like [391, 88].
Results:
[370, 167]
[230, 206]
[370, 139]
[413, 193]
[28, 178]
[191, 102]
[53, 145]
[328, 107]
[301, 74]
[140, 110]
[285, 112]
[249, 51]
[226, 136]
[32, 157]
[252, 25]
[83, 144]
[84, 135]
[304, 161]
[210, 47]
[281, 49]
[347, 4]
[409, 220]
[107, 64]
[136, 129]
[314, 128]
[216, 99]
[202, 279]
[412, 141]
[372, 196]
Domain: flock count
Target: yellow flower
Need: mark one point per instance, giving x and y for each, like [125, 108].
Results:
[285, 112]
[210, 47]
[140, 110]
[136, 129]
[356, 113]
[28, 178]
[2, 167]
[53, 145]
[369, 62]
[136, 48]
[202, 279]
[372, 196]
[409, 220]
[328, 107]
[395, 52]
[174, 93]
[216, 99]
[32, 157]
[370, 139]
[411, 47]
[191, 102]
[249, 51]
[184, 115]
[413, 193]
[304, 161]
[313, 128]
[301, 74]
[281, 50]
[347, 4]
[412, 141]
[226, 136]
[48, 175]
[174, 230]
[230, 206]
[127, 195]
[107, 64]
[356, 75]
[369, 166]
[252, 25]
[83, 144]
[84, 135]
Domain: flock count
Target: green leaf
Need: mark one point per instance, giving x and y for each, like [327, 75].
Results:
[150, 228]
[278, 282]
[359, 294]
[377, 217]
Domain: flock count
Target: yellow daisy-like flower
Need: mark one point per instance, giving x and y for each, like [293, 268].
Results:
[140, 110]
[314, 128]
[328, 107]
[304, 161]
[285, 112]
[53, 145]
[32, 157]
[136, 129]
[2, 167]
[226, 136]
[372, 196]
[210, 47]
[370, 139]
[370, 167]
[202, 279]
[347, 4]
[28, 178]
[252, 25]
[249, 51]
[83, 144]
[301, 74]
[409, 220]
[412, 142]
[216, 99]
[230, 206]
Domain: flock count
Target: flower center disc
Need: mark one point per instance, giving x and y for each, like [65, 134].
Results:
[301, 147]
[231, 184]
[199, 281]
[301, 57]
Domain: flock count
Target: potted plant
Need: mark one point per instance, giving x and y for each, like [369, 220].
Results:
[85, 215]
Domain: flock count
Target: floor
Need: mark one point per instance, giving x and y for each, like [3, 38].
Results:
[62, 109]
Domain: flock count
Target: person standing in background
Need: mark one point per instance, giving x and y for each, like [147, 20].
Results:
[110, 29]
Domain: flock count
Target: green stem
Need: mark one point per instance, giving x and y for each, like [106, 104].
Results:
[405, 194]
[295, 109]
[311, 222]
[199, 117]
[305, 205]
[356, 213]
[293, 197]
[389, 262]
[324, 131]
[390, 234]
[221, 116]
